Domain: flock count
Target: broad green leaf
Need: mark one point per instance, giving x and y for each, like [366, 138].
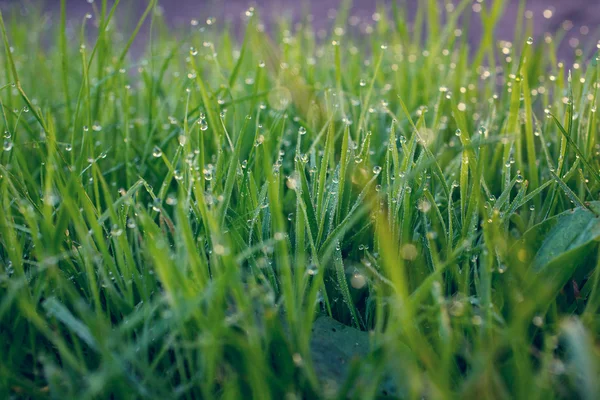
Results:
[560, 248]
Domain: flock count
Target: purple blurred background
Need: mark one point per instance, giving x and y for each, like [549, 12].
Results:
[548, 15]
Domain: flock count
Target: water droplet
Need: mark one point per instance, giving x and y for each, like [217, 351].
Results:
[302, 130]
[312, 270]
[203, 124]
[156, 152]
[182, 140]
[8, 145]
[116, 230]
[519, 179]
[259, 140]
[530, 40]
[358, 281]
[376, 169]
[171, 200]
[424, 206]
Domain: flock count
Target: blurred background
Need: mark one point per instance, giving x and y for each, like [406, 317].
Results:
[579, 20]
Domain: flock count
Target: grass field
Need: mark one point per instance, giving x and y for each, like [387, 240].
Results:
[375, 213]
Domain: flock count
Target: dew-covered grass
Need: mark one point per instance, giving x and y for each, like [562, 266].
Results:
[172, 222]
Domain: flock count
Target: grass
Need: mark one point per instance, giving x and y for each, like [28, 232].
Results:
[174, 222]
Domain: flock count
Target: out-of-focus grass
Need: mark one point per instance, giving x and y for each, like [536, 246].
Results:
[172, 224]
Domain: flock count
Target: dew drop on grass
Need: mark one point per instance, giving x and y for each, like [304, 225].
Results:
[358, 281]
[68, 147]
[171, 200]
[131, 223]
[530, 40]
[156, 152]
[376, 170]
[116, 231]
[193, 51]
[519, 179]
[203, 124]
[458, 132]
[259, 140]
[424, 206]
[302, 130]
[8, 145]
[362, 83]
